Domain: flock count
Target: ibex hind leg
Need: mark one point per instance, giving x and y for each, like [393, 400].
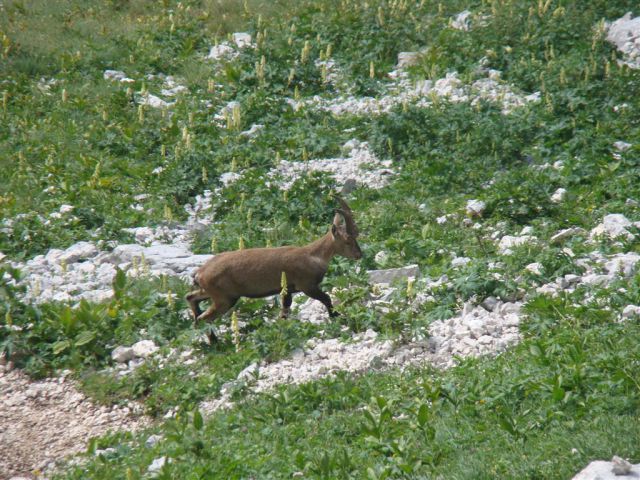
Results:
[194, 298]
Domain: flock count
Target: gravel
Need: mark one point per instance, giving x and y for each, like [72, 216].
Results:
[44, 421]
[359, 164]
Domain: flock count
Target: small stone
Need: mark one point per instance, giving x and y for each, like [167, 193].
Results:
[381, 258]
[122, 354]
[535, 268]
[227, 178]
[550, 289]
[153, 440]
[144, 348]
[249, 373]
[490, 303]
[389, 275]
[631, 311]
[113, 75]
[241, 39]
[135, 363]
[219, 51]
[508, 242]
[105, 452]
[475, 208]
[597, 280]
[620, 466]
[622, 146]
[461, 21]
[460, 262]
[157, 465]
[376, 362]
[571, 279]
[622, 264]
[407, 59]
[566, 233]
[559, 195]
[612, 226]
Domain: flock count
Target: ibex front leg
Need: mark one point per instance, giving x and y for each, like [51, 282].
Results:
[286, 305]
[318, 294]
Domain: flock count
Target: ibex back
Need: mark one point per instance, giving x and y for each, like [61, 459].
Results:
[257, 272]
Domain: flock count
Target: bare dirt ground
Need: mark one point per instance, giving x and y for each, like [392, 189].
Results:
[44, 421]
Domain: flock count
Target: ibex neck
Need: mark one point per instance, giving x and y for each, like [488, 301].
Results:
[323, 247]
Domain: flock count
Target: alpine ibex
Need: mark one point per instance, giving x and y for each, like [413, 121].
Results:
[257, 272]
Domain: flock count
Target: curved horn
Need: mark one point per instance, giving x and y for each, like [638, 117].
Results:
[347, 214]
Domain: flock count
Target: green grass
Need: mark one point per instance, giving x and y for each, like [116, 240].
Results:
[81, 140]
[541, 410]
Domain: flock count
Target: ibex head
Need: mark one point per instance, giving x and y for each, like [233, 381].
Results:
[345, 232]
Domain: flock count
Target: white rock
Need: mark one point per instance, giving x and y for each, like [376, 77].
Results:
[122, 354]
[360, 164]
[407, 59]
[566, 233]
[622, 263]
[597, 280]
[508, 242]
[571, 279]
[490, 303]
[157, 465]
[144, 348]
[313, 311]
[624, 33]
[613, 226]
[559, 195]
[218, 51]
[602, 470]
[381, 257]
[53, 255]
[250, 372]
[622, 146]
[631, 311]
[460, 262]
[253, 131]
[153, 101]
[475, 208]
[152, 440]
[241, 39]
[227, 178]
[535, 268]
[461, 21]
[620, 466]
[116, 75]
[421, 94]
[391, 274]
[79, 251]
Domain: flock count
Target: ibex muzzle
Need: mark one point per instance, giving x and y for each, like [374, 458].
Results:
[257, 272]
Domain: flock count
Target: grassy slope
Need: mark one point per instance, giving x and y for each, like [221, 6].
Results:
[572, 383]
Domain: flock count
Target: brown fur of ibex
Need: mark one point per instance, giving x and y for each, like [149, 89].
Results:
[257, 272]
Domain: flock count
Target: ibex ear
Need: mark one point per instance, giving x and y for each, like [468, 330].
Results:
[334, 230]
[337, 218]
